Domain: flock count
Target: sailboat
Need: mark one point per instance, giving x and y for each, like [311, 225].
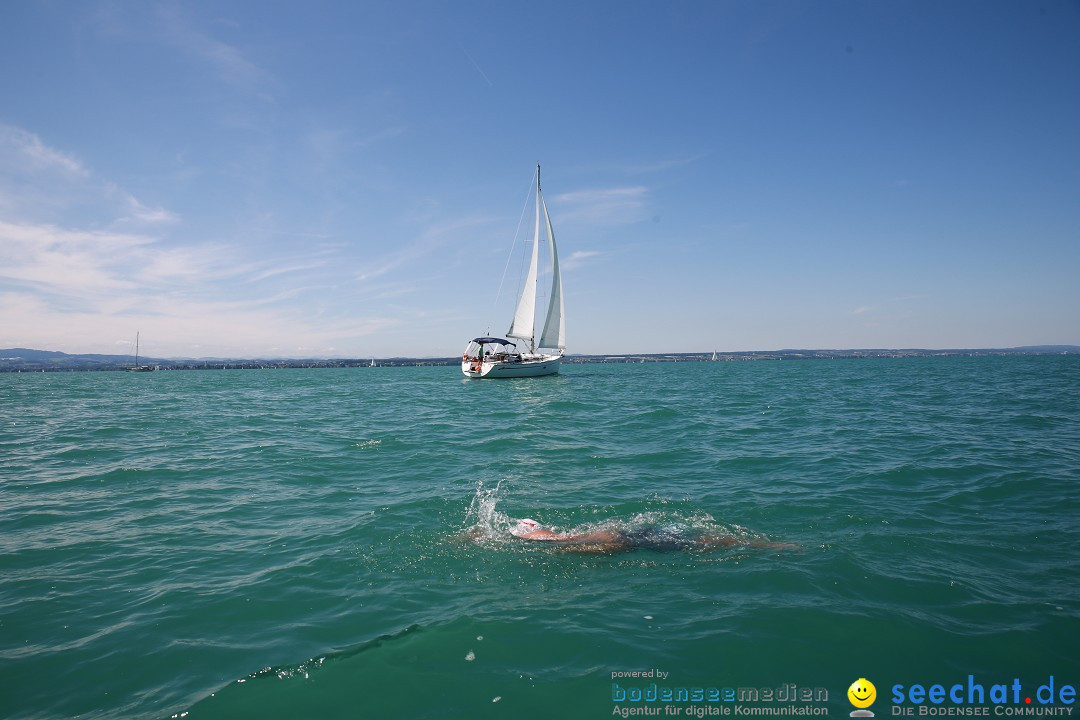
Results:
[137, 367]
[494, 357]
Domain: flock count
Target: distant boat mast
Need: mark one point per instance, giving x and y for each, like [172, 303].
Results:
[137, 367]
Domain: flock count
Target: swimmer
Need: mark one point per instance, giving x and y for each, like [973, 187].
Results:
[657, 539]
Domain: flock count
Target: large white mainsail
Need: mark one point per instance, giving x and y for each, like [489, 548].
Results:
[554, 335]
[523, 326]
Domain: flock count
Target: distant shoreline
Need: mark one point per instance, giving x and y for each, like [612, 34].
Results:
[24, 360]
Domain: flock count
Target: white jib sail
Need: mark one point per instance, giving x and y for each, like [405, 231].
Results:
[523, 326]
[554, 335]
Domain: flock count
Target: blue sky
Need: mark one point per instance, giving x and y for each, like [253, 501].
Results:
[345, 179]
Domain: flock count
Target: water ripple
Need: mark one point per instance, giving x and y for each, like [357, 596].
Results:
[168, 534]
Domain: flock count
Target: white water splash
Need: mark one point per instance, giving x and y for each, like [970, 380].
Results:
[487, 525]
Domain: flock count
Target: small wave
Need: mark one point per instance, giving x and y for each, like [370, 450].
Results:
[238, 694]
[308, 667]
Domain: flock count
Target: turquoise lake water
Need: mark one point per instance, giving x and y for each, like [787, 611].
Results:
[332, 543]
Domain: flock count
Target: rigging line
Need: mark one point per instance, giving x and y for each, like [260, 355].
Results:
[513, 247]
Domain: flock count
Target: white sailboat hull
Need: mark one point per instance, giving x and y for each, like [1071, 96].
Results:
[531, 366]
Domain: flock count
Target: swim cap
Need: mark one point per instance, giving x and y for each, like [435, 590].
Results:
[523, 526]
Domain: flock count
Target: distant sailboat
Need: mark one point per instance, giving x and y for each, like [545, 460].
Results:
[714, 356]
[137, 367]
[493, 357]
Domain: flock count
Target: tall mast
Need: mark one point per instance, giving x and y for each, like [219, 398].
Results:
[523, 325]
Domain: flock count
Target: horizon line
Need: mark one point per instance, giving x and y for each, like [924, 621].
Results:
[1045, 347]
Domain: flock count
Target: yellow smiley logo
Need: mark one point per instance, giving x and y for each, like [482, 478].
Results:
[862, 693]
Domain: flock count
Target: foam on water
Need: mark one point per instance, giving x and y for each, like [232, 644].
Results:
[486, 525]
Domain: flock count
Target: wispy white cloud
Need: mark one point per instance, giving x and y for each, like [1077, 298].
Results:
[71, 263]
[862, 310]
[229, 63]
[108, 273]
[65, 288]
[437, 234]
[327, 149]
[40, 181]
[287, 270]
[84, 263]
[185, 327]
[603, 206]
[178, 27]
[22, 150]
[578, 258]
[133, 211]
[159, 267]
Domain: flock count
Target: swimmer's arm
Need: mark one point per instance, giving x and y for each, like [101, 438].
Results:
[601, 542]
[595, 543]
[594, 537]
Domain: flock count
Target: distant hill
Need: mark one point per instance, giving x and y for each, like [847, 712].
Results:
[30, 355]
[27, 360]
[16, 359]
